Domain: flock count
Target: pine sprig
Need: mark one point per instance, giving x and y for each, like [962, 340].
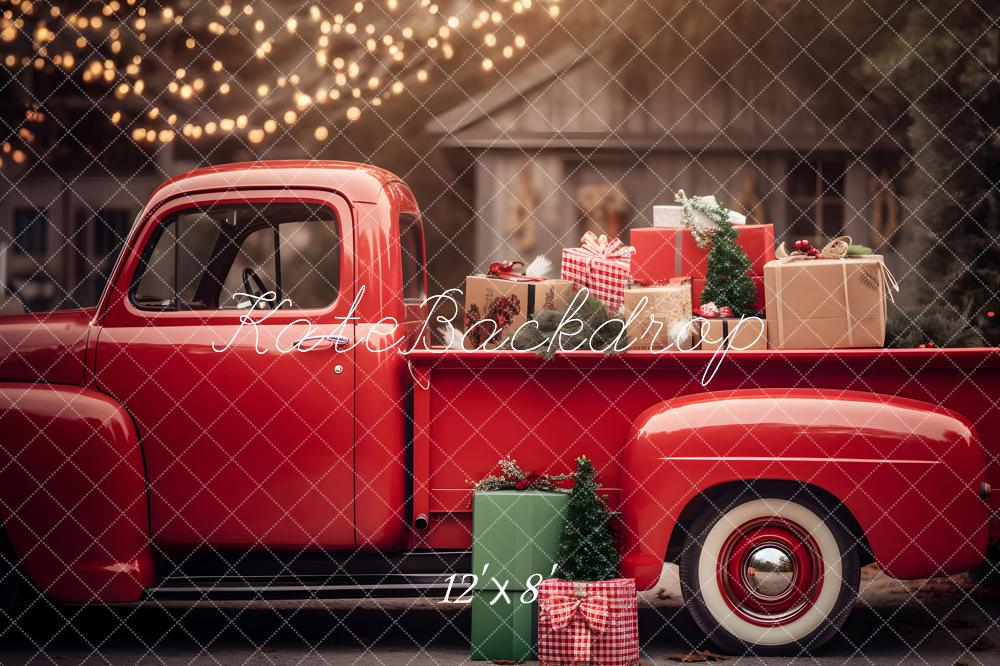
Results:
[709, 207]
[512, 477]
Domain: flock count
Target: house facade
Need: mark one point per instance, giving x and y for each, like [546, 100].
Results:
[574, 143]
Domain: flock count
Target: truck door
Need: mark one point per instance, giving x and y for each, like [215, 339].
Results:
[248, 438]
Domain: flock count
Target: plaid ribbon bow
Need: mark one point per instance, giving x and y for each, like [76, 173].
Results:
[599, 247]
[593, 609]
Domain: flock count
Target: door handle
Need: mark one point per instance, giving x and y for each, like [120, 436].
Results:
[318, 340]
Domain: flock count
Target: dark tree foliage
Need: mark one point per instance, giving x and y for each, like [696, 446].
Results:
[944, 63]
[587, 549]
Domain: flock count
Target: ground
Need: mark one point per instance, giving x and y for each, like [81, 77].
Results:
[942, 621]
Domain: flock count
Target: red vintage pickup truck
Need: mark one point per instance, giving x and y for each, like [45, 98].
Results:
[190, 438]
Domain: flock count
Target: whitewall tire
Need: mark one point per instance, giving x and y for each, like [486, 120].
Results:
[769, 575]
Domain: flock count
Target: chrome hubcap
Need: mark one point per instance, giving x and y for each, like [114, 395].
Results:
[769, 571]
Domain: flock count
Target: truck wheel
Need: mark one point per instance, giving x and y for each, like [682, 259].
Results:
[769, 575]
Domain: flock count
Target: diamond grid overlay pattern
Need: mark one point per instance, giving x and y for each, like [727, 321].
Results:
[534, 378]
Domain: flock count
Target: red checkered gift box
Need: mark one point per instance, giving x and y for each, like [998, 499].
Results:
[603, 266]
[588, 623]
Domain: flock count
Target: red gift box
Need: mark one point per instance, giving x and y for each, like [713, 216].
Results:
[603, 266]
[665, 252]
[588, 623]
[698, 285]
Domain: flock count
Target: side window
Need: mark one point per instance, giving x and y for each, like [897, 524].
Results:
[204, 259]
[411, 244]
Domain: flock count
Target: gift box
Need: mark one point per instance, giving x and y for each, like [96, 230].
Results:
[733, 333]
[603, 266]
[673, 216]
[663, 253]
[698, 286]
[588, 623]
[515, 537]
[516, 532]
[653, 322]
[502, 630]
[508, 302]
[826, 303]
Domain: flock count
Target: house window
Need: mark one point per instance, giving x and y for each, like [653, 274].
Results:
[816, 199]
[111, 226]
[31, 231]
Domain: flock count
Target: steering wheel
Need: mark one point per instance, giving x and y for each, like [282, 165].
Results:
[249, 274]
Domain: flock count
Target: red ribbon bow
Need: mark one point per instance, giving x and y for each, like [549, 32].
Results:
[504, 270]
[592, 608]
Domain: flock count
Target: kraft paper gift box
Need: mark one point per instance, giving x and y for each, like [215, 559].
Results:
[663, 253]
[733, 333]
[588, 623]
[667, 306]
[826, 303]
[515, 535]
[602, 265]
[509, 303]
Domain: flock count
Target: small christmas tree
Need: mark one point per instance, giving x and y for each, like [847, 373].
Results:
[727, 281]
[587, 549]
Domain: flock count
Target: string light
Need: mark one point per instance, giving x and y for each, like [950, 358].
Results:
[368, 64]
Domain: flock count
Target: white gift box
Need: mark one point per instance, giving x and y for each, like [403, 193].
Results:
[670, 216]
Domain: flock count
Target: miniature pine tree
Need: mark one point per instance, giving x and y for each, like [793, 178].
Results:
[727, 281]
[587, 549]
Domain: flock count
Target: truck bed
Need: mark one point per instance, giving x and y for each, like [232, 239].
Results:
[473, 408]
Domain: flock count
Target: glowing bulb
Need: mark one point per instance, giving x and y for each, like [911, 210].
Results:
[270, 126]
[321, 133]
[291, 24]
[241, 121]
[255, 135]
[353, 113]
[487, 64]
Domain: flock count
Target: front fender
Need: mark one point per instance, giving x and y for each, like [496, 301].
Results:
[73, 493]
[908, 471]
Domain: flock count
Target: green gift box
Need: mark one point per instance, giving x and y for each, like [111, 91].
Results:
[503, 630]
[515, 533]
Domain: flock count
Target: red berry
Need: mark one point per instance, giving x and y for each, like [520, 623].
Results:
[991, 314]
[798, 245]
[921, 346]
[805, 243]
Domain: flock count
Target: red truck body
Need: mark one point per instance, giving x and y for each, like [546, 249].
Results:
[127, 434]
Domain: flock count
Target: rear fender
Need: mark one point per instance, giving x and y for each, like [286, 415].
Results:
[73, 493]
[908, 472]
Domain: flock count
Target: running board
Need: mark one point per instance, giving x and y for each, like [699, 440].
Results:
[235, 575]
[203, 588]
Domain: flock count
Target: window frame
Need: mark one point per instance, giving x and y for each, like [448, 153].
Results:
[116, 307]
[822, 196]
[263, 225]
